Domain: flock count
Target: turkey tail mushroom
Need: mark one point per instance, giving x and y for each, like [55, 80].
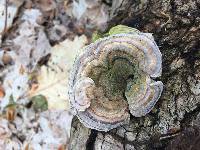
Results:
[113, 76]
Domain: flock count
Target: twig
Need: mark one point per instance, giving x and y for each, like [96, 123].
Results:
[169, 136]
[6, 15]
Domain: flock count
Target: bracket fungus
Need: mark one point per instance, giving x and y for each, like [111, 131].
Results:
[114, 76]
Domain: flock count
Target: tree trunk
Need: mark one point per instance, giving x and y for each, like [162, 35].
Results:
[174, 123]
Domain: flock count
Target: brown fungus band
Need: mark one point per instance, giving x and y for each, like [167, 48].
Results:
[113, 76]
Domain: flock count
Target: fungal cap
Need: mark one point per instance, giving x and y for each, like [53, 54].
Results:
[114, 75]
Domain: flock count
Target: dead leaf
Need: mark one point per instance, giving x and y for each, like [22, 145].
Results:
[5, 132]
[2, 92]
[11, 12]
[90, 12]
[34, 87]
[6, 59]
[15, 84]
[5, 137]
[10, 113]
[26, 147]
[35, 43]
[54, 130]
[21, 70]
[53, 80]
[62, 147]
[47, 5]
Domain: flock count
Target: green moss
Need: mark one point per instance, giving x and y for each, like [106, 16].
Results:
[97, 35]
[122, 29]
[114, 30]
[39, 103]
[113, 79]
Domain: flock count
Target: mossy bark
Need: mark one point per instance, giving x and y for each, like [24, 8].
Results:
[175, 25]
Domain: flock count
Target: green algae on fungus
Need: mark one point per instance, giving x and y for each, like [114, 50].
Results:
[113, 76]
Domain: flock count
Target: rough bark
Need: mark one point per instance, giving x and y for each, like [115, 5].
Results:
[175, 25]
